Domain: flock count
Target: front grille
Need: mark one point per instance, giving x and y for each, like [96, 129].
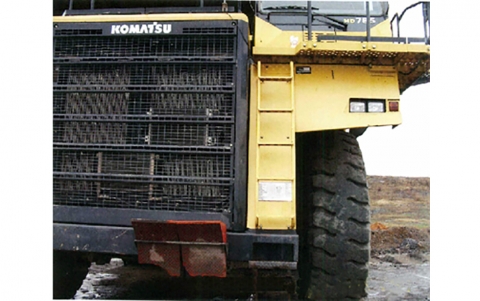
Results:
[145, 121]
[95, 76]
[76, 32]
[99, 47]
[117, 105]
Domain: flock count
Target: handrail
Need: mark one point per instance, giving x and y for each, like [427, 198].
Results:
[426, 19]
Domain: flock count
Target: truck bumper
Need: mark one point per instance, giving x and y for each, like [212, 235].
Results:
[261, 249]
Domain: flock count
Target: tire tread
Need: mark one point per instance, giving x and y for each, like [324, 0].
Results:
[339, 231]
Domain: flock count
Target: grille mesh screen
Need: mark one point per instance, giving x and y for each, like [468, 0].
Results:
[94, 76]
[159, 104]
[145, 47]
[144, 122]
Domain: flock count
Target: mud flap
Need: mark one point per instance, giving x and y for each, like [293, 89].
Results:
[198, 246]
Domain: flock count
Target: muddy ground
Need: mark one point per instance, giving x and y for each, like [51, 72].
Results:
[399, 266]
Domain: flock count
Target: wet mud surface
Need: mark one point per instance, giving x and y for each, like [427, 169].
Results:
[396, 273]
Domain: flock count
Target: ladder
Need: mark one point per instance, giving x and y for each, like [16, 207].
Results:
[275, 147]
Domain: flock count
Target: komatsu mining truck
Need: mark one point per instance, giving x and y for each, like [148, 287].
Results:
[205, 136]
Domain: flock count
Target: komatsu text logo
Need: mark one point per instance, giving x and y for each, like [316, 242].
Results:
[141, 28]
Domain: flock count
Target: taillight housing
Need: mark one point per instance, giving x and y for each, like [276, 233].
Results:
[365, 105]
[393, 106]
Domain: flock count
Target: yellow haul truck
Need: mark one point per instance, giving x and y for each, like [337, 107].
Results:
[206, 135]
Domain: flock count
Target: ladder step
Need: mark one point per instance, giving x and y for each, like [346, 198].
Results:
[275, 179]
[275, 110]
[275, 78]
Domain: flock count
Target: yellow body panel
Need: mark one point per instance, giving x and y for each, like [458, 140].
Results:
[275, 128]
[322, 98]
[274, 162]
[321, 102]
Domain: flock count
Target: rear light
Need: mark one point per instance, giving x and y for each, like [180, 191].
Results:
[357, 107]
[365, 105]
[376, 107]
[393, 106]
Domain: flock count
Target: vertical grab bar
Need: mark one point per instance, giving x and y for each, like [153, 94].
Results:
[367, 5]
[309, 24]
[426, 19]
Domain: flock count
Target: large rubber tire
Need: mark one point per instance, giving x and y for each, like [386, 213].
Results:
[69, 271]
[334, 221]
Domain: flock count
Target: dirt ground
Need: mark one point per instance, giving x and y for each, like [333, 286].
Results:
[399, 265]
[400, 210]
[400, 241]
[400, 202]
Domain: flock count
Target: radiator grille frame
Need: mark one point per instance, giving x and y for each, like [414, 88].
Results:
[149, 123]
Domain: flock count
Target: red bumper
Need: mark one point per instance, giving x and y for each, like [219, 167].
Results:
[198, 246]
